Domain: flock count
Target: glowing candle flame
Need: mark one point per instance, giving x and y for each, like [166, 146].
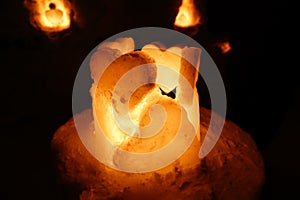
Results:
[188, 15]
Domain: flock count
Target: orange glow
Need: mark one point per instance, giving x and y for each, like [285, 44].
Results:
[121, 58]
[188, 15]
[50, 15]
[168, 58]
[225, 47]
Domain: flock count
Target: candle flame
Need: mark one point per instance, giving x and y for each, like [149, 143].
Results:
[188, 15]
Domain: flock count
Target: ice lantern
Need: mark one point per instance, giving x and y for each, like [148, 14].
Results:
[145, 104]
[50, 15]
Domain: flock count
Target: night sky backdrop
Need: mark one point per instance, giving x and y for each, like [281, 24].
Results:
[37, 76]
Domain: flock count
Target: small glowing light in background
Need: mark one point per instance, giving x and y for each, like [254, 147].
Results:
[224, 47]
[188, 15]
[50, 15]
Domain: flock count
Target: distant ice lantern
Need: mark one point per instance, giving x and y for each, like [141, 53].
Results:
[50, 15]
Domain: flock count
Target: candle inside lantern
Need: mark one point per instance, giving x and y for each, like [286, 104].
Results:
[50, 15]
[131, 110]
[157, 87]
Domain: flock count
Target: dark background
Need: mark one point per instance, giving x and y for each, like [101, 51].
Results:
[37, 76]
